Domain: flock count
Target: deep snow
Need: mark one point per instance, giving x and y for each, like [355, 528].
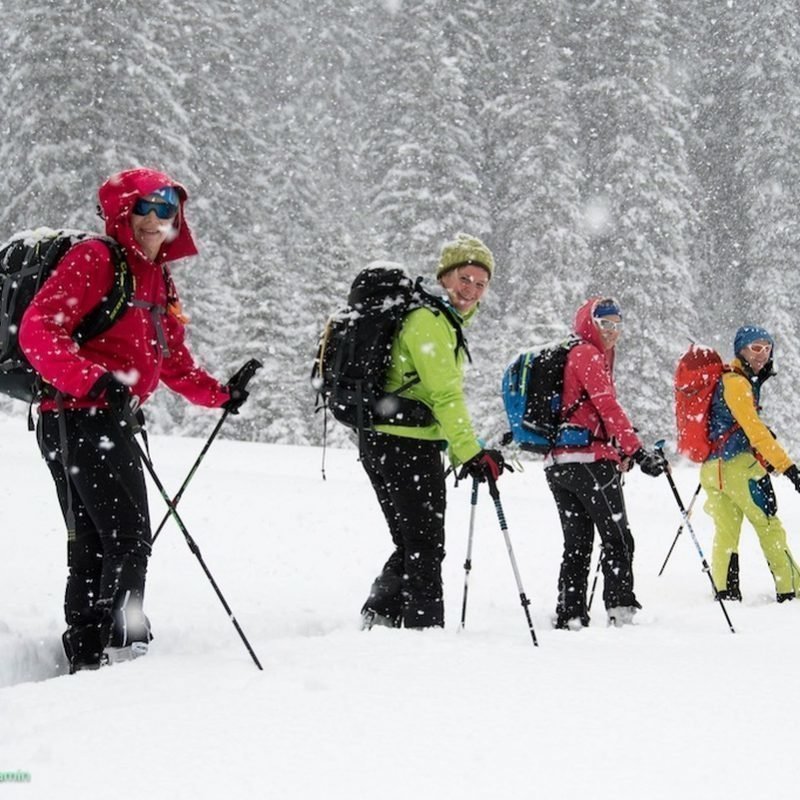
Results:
[675, 706]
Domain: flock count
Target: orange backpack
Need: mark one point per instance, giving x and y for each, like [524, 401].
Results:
[696, 376]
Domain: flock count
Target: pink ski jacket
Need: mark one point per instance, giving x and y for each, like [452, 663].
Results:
[589, 385]
[147, 343]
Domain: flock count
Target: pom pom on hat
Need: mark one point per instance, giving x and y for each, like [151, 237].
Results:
[461, 252]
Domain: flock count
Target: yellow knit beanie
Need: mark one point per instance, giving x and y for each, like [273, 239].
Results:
[462, 251]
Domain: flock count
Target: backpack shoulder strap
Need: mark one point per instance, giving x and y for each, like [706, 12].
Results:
[438, 306]
[569, 344]
[114, 304]
[720, 441]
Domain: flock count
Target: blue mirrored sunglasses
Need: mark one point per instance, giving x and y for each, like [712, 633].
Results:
[163, 210]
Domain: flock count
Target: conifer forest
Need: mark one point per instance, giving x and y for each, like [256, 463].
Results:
[646, 150]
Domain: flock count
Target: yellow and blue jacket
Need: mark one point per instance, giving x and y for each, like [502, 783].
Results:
[735, 422]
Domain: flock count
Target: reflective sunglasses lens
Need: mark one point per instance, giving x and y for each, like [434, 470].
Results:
[163, 210]
[607, 324]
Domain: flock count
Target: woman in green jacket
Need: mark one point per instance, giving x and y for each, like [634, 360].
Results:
[404, 463]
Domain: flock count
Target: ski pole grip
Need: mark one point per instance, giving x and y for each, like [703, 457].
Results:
[245, 373]
[659, 448]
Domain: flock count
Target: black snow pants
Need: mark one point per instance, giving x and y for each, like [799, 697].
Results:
[589, 496]
[107, 552]
[408, 478]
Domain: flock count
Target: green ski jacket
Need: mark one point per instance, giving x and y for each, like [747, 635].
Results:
[426, 346]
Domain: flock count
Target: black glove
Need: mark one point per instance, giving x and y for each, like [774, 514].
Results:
[793, 474]
[486, 464]
[652, 463]
[116, 394]
[235, 386]
[236, 400]
[625, 464]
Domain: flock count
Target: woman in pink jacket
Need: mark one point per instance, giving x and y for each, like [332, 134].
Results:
[97, 472]
[585, 477]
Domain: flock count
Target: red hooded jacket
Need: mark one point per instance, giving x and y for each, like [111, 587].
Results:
[589, 372]
[133, 347]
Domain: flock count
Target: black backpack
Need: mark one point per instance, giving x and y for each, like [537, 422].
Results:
[533, 384]
[354, 352]
[26, 261]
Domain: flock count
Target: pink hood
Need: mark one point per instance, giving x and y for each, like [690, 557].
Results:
[589, 388]
[586, 329]
[117, 196]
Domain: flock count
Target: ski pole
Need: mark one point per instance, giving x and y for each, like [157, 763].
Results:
[668, 472]
[680, 529]
[177, 498]
[501, 518]
[194, 548]
[468, 561]
[795, 570]
[241, 379]
[594, 582]
[602, 550]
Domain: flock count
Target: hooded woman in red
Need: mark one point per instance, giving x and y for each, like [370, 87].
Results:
[585, 477]
[97, 472]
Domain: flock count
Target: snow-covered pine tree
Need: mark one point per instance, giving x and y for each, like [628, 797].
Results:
[538, 176]
[309, 199]
[768, 169]
[91, 93]
[646, 148]
[710, 34]
[635, 119]
[423, 143]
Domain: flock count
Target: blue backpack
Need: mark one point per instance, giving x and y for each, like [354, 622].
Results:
[532, 387]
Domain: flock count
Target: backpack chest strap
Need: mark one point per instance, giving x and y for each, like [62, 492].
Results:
[156, 313]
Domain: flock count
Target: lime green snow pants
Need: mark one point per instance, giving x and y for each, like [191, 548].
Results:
[734, 492]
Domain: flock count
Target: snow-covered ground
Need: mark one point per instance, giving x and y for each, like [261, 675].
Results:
[675, 706]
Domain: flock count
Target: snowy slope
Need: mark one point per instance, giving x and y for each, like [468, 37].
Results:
[676, 706]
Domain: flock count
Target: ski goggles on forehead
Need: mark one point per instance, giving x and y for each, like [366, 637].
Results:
[606, 324]
[163, 210]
